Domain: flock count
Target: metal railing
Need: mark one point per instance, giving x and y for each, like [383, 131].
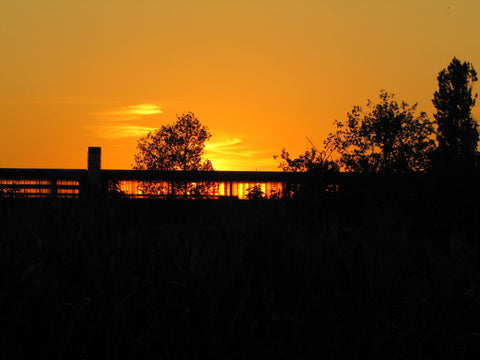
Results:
[42, 182]
[95, 182]
[73, 183]
[208, 184]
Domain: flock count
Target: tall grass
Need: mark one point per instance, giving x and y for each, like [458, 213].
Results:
[131, 279]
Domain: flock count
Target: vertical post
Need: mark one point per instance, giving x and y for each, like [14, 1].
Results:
[53, 187]
[94, 166]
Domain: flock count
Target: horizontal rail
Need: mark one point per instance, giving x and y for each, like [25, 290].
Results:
[201, 176]
[51, 182]
[43, 174]
[37, 186]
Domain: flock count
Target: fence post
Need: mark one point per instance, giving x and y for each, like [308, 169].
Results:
[53, 187]
[94, 166]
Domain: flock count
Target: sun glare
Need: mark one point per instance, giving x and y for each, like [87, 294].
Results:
[144, 109]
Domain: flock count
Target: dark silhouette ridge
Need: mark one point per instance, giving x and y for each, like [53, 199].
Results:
[353, 274]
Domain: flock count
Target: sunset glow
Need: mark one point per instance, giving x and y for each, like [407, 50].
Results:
[144, 109]
[262, 75]
[220, 189]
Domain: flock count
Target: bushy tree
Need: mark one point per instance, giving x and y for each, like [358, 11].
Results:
[457, 133]
[174, 147]
[387, 137]
[179, 146]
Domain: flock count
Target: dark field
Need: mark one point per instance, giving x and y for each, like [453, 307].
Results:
[388, 276]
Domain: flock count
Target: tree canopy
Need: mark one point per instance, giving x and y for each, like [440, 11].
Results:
[457, 133]
[387, 137]
[179, 146]
[312, 159]
[174, 147]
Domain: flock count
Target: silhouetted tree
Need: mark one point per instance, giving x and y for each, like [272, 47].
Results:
[255, 192]
[174, 147]
[315, 162]
[388, 137]
[457, 133]
[312, 160]
[115, 189]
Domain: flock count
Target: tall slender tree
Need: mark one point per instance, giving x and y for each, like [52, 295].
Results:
[457, 133]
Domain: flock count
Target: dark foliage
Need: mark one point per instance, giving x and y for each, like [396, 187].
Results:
[369, 273]
[175, 147]
[312, 160]
[389, 137]
[457, 133]
[255, 193]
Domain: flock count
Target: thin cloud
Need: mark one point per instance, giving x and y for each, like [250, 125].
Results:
[130, 112]
[234, 146]
[122, 122]
[233, 153]
[141, 109]
[123, 131]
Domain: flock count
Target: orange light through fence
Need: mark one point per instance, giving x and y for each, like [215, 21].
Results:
[214, 190]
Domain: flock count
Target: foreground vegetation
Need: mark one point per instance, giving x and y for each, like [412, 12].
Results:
[385, 275]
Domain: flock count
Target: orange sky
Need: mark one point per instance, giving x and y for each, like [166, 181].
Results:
[261, 75]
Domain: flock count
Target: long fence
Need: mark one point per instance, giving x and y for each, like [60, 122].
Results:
[43, 183]
[69, 183]
[95, 182]
[146, 183]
